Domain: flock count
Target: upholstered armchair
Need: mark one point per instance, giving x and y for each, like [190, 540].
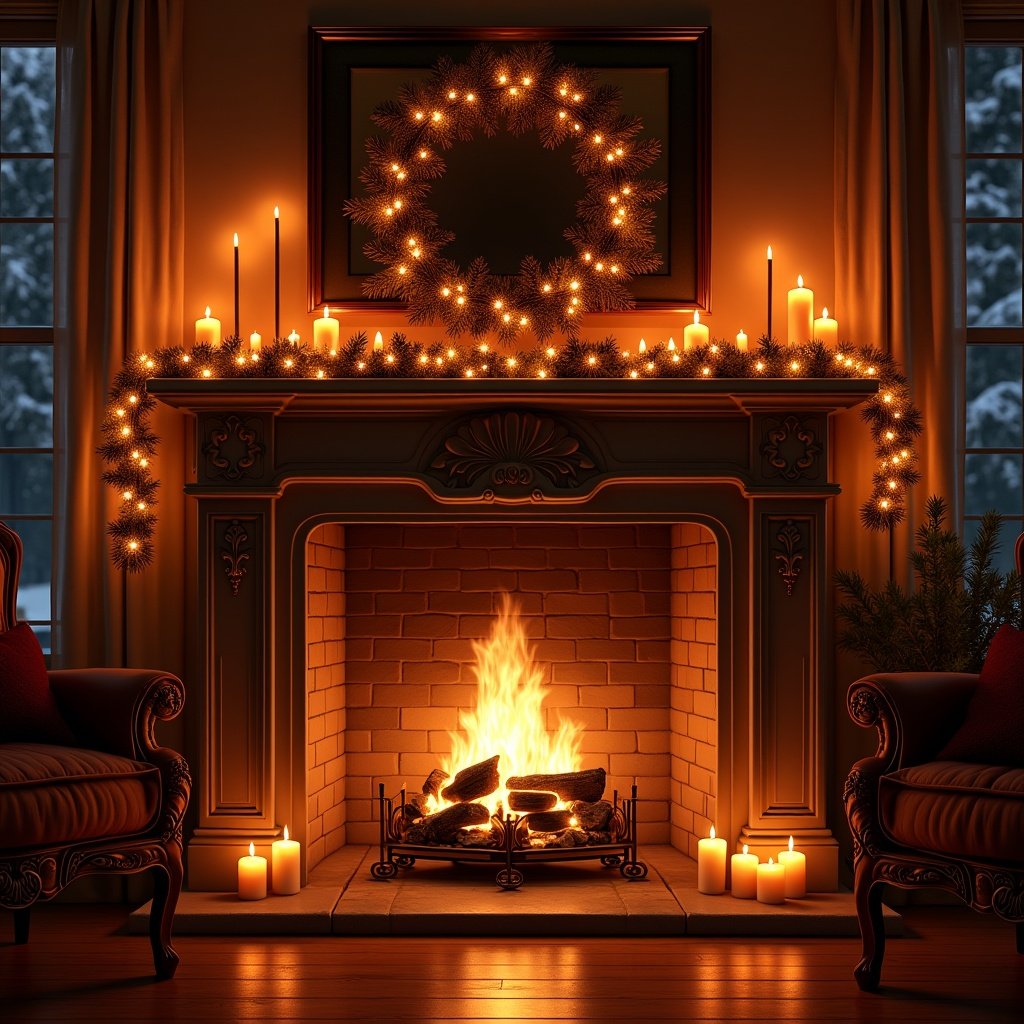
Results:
[84, 786]
[923, 818]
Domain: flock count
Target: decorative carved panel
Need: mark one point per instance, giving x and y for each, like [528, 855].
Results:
[234, 447]
[235, 554]
[789, 554]
[791, 448]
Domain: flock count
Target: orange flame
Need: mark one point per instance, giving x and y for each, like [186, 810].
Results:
[509, 718]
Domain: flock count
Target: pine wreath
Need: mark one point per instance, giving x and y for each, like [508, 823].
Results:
[523, 89]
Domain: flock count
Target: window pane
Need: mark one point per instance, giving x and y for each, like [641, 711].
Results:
[34, 588]
[26, 484]
[994, 396]
[26, 396]
[992, 482]
[1003, 559]
[992, 88]
[26, 188]
[44, 633]
[26, 275]
[993, 188]
[993, 275]
[28, 98]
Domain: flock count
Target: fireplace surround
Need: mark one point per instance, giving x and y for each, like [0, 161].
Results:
[668, 538]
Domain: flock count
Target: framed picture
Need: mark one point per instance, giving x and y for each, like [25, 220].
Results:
[505, 197]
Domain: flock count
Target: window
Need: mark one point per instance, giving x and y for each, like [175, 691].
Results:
[994, 157]
[28, 99]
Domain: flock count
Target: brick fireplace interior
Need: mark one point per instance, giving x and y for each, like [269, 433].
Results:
[623, 618]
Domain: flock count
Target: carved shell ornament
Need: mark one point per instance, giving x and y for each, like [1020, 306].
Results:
[513, 449]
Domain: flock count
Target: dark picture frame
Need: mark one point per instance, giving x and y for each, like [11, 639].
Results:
[667, 77]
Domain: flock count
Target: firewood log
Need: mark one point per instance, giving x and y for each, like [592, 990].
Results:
[416, 806]
[432, 783]
[548, 821]
[587, 785]
[473, 782]
[593, 817]
[442, 826]
[527, 800]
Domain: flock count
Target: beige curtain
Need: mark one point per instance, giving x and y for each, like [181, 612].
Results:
[120, 260]
[897, 243]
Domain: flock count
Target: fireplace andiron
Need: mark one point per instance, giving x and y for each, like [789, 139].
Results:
[508, 844]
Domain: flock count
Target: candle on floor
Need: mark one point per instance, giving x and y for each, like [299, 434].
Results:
[208, 330]
[378, 342]
[695, 333]
[744, 874]
[252, 876]
[741, 340]
[771, 882]
[801, 313]
[255, 342]
[826, 330]
[284, 866]
[795, 864]
[326, 331]
[711, 864]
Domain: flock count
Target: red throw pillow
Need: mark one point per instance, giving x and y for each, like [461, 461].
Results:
[993, 732]
[28, 710]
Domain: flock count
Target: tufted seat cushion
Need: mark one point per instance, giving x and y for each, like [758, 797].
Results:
[52, 795]
[955, 809]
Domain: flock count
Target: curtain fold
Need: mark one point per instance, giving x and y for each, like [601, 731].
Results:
[898, 251]
[120, 253]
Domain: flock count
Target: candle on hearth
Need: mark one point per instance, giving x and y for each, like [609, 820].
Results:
[255, 341]
[771, 882]
[378, 342]
[252, 876]
[744, 874]
[326, 331]
[801, 313]
[695, 333]
[826, 330]
[285, 876]
[741, 340]
[208, 330]
[711, 864]
[795, 864]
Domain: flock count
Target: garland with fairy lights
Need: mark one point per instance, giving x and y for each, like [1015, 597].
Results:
[524, 90]
[129, 444]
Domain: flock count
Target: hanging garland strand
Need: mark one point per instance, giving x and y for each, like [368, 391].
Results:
[523, 90]
[129, 444]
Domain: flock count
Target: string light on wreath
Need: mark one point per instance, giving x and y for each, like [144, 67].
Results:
[523, 91]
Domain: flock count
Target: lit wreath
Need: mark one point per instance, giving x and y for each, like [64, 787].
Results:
[525, 90]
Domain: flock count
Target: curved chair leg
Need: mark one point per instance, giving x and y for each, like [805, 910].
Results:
[21, 922]
[166, 888]
[868, 900]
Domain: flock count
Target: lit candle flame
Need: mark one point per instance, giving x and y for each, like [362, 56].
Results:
[799, 280]
[769, 252]
[286, 827]
[236, 239]
[696, 316]
[771, 861]
[824, 312]
[327, 312]
[790, 844]
[207, 311]
[252, 849]
[277, 213]
[671, 345]
[712, 831]
[745, 847]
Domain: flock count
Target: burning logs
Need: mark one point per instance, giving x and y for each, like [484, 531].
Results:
[527, 800]
[432, 783]
[443, 826]
[587, 785]
[473, 782]
[548, 821]
[593, 817]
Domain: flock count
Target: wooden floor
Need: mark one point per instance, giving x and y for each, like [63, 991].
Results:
[81, 966]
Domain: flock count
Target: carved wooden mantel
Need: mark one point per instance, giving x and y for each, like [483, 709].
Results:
[272, 459]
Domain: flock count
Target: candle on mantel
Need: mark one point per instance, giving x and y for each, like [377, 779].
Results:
[795, 864]
[294, 337]
[252, 876]
[378, 342]
[695, 333]
[277, 272]
[711, 864]
[255, 342]
[771, 882]
[826, 330]
[801, 313]
[741, 340]
[208, 330]
[326, 332]
[236, 284]
[285, 875]
[769, 291]
[744, 874]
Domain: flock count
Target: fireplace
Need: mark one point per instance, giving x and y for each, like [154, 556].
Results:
[665, 541]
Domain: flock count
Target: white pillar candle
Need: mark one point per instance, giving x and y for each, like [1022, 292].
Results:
[771, 882]
[252, 876]
[378, 342]
[744, 874]
[326, 332]
[826, 330]
[285, 872]
[741, 340]
[695, 333]
[795, 864]
[711, 865]
[208, 330]
[255, 341]
[801, 313]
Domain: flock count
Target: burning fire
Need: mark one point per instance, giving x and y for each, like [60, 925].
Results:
[508, 719]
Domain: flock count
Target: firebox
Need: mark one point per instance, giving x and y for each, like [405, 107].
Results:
[664, 542]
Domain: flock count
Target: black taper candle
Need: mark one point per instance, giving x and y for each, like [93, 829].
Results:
[277, 272]
[769, 291]
[237, 335]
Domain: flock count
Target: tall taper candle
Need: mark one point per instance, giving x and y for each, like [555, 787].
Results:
[769, 291]
[237, 335]
[277, 272]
